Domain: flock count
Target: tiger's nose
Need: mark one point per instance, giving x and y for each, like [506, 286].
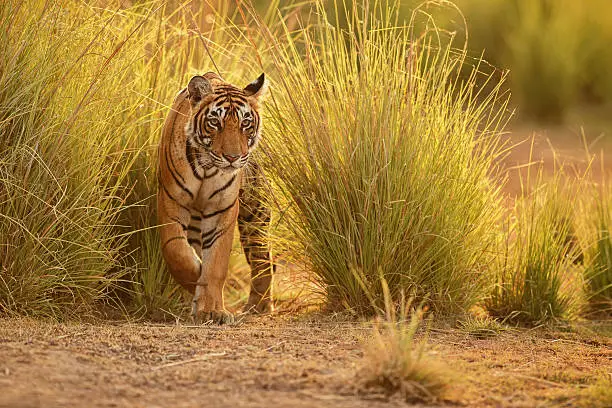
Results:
[231, 157]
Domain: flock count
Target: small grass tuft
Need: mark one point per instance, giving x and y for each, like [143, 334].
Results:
[482, 327]
[394, 362]
[598, 394]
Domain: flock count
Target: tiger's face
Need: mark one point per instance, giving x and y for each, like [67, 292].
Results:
[224, 120]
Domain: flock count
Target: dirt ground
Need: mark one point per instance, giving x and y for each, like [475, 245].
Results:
[286, 361]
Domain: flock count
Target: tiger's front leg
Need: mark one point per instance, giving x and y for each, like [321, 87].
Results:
[217, 240]
[183, 262]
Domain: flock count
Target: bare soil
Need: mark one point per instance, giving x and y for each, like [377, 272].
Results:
[297, 361]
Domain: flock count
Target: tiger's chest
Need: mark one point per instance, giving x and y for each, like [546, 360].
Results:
[218, 191]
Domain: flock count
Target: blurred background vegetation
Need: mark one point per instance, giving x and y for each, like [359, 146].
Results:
[557, 51]
[85, 87]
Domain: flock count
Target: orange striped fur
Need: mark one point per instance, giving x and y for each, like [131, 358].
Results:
[206, 183]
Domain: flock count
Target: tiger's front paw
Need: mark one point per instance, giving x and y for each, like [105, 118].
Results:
[215, 317]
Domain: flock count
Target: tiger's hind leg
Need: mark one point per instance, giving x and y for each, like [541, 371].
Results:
[253, 224]
[194, 238]
[253, 228]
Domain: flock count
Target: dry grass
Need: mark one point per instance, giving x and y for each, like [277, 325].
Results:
[482, 327]
[396, 363]
[536, 278]
[598, 394]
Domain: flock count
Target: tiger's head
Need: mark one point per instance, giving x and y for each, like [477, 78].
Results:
[224, 120]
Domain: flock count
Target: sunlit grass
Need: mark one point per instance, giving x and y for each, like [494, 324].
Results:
[597, 217]
[537, 280]
[380, 155]
[384, 160]
[482, 327]
[59, 192]
[395, 361]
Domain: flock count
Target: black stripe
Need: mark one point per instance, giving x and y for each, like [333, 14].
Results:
[173, 167]
[226, 89]
[240, 98]
[170, 240]
[208, 233]
[210, 242]
[193, 228]
[235, 98]
[179, 222]
[228, 94]
[196, 122]
[246, 219]
[253, 212]
[191, 161]
[255, 120]
[208, 128]
[192, 241]
[225, 186]
[212, 175]
[172, 198]
[220, 211]
[196, 217]
[176, 180]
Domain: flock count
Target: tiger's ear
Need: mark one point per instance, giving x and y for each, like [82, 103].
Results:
[198, 88]
[257, 88]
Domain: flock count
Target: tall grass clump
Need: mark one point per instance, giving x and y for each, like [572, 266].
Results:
[77, 129]
[598, 270]
[59, 192]
[384, 159]
[537, 280]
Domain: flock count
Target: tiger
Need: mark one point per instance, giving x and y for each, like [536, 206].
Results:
[208, 182]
